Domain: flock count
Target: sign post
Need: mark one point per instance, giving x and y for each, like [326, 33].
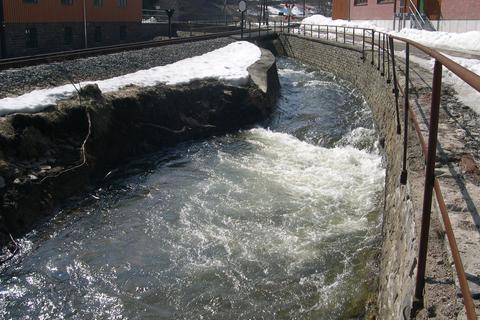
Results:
[242, 6]
[170, 13]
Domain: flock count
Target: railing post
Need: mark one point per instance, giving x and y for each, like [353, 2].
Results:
[383, 54]
[311, 30]
[403, 177]
[319, 30]
[395, 85]
[378, 47]
[274, 26]
[344, 34]
[353, 39]
[388, 61]
[363, 45]
[327, 32]
[336, 34]
[429, 180]
[373, 49]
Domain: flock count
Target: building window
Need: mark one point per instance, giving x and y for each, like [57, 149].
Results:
[385, 1]
[123, 32]
[30, 1]
[360, 2]
[31, 37]
[98, 3]
[67, 35]
[122, 3]
[98, 34]
[66, 2]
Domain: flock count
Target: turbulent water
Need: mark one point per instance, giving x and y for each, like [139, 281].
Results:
[277, 222]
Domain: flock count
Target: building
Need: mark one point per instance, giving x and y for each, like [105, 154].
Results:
[39, 26]
[442, 15]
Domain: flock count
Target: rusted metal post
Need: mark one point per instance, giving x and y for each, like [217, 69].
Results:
[378, 47]
[383, 54]
[363, 45]
[388, 61]
[429, 179]
[373, 49]
[403, 177]
[395, 85]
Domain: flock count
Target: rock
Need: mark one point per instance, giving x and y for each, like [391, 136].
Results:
[91, 91]
[468, 165]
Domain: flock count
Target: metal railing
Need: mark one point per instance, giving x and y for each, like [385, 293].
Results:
[381, 47]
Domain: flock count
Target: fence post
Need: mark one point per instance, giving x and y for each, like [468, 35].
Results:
[363, 45]
[388, 61]
[327, 32]
[403, 177]
[378, 46]
[353, 39]
[336, 34]
[429, 180]
[383, 54]
[373, 49]
[344, 34]
[395, 85]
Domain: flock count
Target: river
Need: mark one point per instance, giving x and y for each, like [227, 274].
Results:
[279, 221]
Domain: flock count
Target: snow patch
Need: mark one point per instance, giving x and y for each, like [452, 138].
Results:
[465, 93]
[228, 64]
[463, 42]
[319, 19]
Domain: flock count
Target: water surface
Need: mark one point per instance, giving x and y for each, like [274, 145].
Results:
[280, 221]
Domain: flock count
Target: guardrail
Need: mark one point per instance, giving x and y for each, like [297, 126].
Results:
[382, 50]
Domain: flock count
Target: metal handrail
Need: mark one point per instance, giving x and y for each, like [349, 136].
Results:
[416, 11]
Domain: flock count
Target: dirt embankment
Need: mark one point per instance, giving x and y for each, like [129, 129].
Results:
[48, 156]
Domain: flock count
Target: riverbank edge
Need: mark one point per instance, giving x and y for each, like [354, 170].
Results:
[397, 263]
[49, 156]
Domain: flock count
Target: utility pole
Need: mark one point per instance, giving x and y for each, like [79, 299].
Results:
[3, 42]
[85, 35]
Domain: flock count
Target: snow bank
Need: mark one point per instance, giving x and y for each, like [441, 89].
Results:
[467, 41]
[228, 64]
[463, 42]
[319, 19]
[465, 93]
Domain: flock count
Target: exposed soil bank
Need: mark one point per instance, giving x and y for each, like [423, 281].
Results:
[48, 156]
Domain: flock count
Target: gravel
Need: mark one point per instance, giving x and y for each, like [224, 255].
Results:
[18, 81]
